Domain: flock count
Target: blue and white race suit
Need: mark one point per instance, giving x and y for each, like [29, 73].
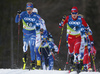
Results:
[31, 22]
[38, 38]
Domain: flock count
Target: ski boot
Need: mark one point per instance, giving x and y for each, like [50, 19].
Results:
[47, 67]
[72, 68]
[85, 68]
[78, 68]
[81, 63]
[24, 60]
[90, 69]
[33, 65]
[72, 65]
[82, 68]
[38, 64]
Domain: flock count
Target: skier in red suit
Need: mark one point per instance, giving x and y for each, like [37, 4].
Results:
[74, 26]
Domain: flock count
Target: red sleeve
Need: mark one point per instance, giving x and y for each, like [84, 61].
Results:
[90, 37]
[84, 22]
[66, 20]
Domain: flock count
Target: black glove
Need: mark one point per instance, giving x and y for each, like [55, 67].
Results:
[53, 50]
[18, 12]
[64, 17]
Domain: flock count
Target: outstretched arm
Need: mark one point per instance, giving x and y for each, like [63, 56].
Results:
[63, 21]
[19, 17]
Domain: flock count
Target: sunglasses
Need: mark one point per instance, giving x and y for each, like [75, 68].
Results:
[28, 9]
[41, 30]
[74, 13]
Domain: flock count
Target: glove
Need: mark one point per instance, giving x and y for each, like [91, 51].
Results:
[18, 12]
[64, 17]
[53, 50]
[86, 30]
[67, 43]
[92, 43]
[42, 41]
[60, 24]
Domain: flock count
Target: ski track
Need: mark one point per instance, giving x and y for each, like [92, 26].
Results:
[26, 71]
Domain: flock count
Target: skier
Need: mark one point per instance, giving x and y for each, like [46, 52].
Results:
[86, 46]
[31, 22]
[53, 49]
[89, 43]
[44, 48]
[74, 25]
[83, 49]
[38, 39]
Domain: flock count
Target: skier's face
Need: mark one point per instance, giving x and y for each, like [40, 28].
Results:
[41, 32]
[29, 10]
[74, 15]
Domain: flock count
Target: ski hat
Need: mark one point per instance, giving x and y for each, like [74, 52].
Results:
[29, 4]
[74, 9]
[35, 10]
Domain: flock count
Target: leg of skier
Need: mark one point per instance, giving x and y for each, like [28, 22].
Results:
[89, 59]
[51, 62]
[43, 63]
[81, 52]
[25, 48]
[32, 52]
[85, 59]
[77, 55]
[71, 52]
[38, 57]
[45, 53]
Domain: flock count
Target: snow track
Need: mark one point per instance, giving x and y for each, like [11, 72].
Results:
[20, 71]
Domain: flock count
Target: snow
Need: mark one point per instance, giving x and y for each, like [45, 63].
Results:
[26, 71]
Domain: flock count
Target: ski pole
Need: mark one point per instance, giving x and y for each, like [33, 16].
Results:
[60, 40]
[53, 55]
[63, 19]
[67, 47]
[18, 37]
[93, 63]
[93, 58]
[67, 59]
[87, 46]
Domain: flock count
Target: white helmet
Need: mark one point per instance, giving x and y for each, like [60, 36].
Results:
[35, 10]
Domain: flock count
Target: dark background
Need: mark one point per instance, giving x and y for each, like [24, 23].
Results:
[51, 11]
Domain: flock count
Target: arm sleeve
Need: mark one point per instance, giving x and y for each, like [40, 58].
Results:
[64, 22]
[84, 22]
[85, 25]
[43, 24]
[90, 37]
[19, 17]
[38, 22]
[87, 28]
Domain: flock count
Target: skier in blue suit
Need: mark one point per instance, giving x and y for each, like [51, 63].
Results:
[31, 23]
[52, 49]
[38, 40]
